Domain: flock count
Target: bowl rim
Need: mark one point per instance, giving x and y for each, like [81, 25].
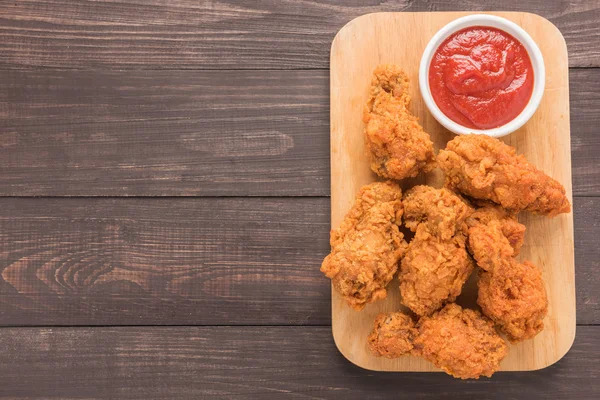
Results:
[534, 52]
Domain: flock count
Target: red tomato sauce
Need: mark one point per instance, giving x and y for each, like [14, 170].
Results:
[481, 77]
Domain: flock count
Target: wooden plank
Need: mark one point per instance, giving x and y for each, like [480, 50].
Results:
[203, 261]
[157, 133]
[184, 133]
[587, 259]
[136, 261]
[235, 34]
[251, 362]
[585, 141]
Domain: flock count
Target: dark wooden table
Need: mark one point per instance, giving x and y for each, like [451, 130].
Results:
[164, 202]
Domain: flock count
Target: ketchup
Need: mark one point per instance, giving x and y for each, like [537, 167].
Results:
[481, 77]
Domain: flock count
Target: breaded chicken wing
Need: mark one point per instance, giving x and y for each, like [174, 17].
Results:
[489, 246]
[367, 246]
[514, 297]
[509, 225]
[392, 335]
[398, 145]
[441, 210]
[461, 342]
[436, 264]
[512, 294]
[433, 271]
[483, 167]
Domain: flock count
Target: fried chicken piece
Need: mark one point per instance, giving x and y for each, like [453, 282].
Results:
[367, 246]
[489, 246]
[515, 298]
[433, 271]
[510, 226]
[483, 167]
[441, 210]
[392, 335]
[512, 294]
[436, 264]
[462, 342]
[398, 145]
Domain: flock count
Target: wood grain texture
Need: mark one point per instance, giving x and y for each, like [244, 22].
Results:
[585, 140]
[545, 141]
[587, 259]
[184, 133]
[201, 261]
[250, 362]
[234, 34]
[163, 261]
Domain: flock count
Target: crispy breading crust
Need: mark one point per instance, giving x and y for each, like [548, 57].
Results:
[514, 298]
[510, 226]
[392, 335]
[489, 246]
[461, 342]
[367, 246]
[398, 145]
[436, 264]
[433, 271]
[441, 210]
[483, 167]
[512, 294]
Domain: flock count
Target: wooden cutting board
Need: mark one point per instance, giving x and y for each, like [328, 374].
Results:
[400, 38]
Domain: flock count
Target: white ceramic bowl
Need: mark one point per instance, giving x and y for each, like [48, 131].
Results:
[511, 28]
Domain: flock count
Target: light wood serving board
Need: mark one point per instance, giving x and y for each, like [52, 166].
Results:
[400, 38]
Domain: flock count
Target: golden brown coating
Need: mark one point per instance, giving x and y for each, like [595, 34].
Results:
[461, 342]
[514, 297]
[433, 271]
[483, 167]
[398, 145]
[510, 226]
[367, 246]
[436, 264]
[392, 335]
[512, 294]
[489, 246]
[441, 210]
